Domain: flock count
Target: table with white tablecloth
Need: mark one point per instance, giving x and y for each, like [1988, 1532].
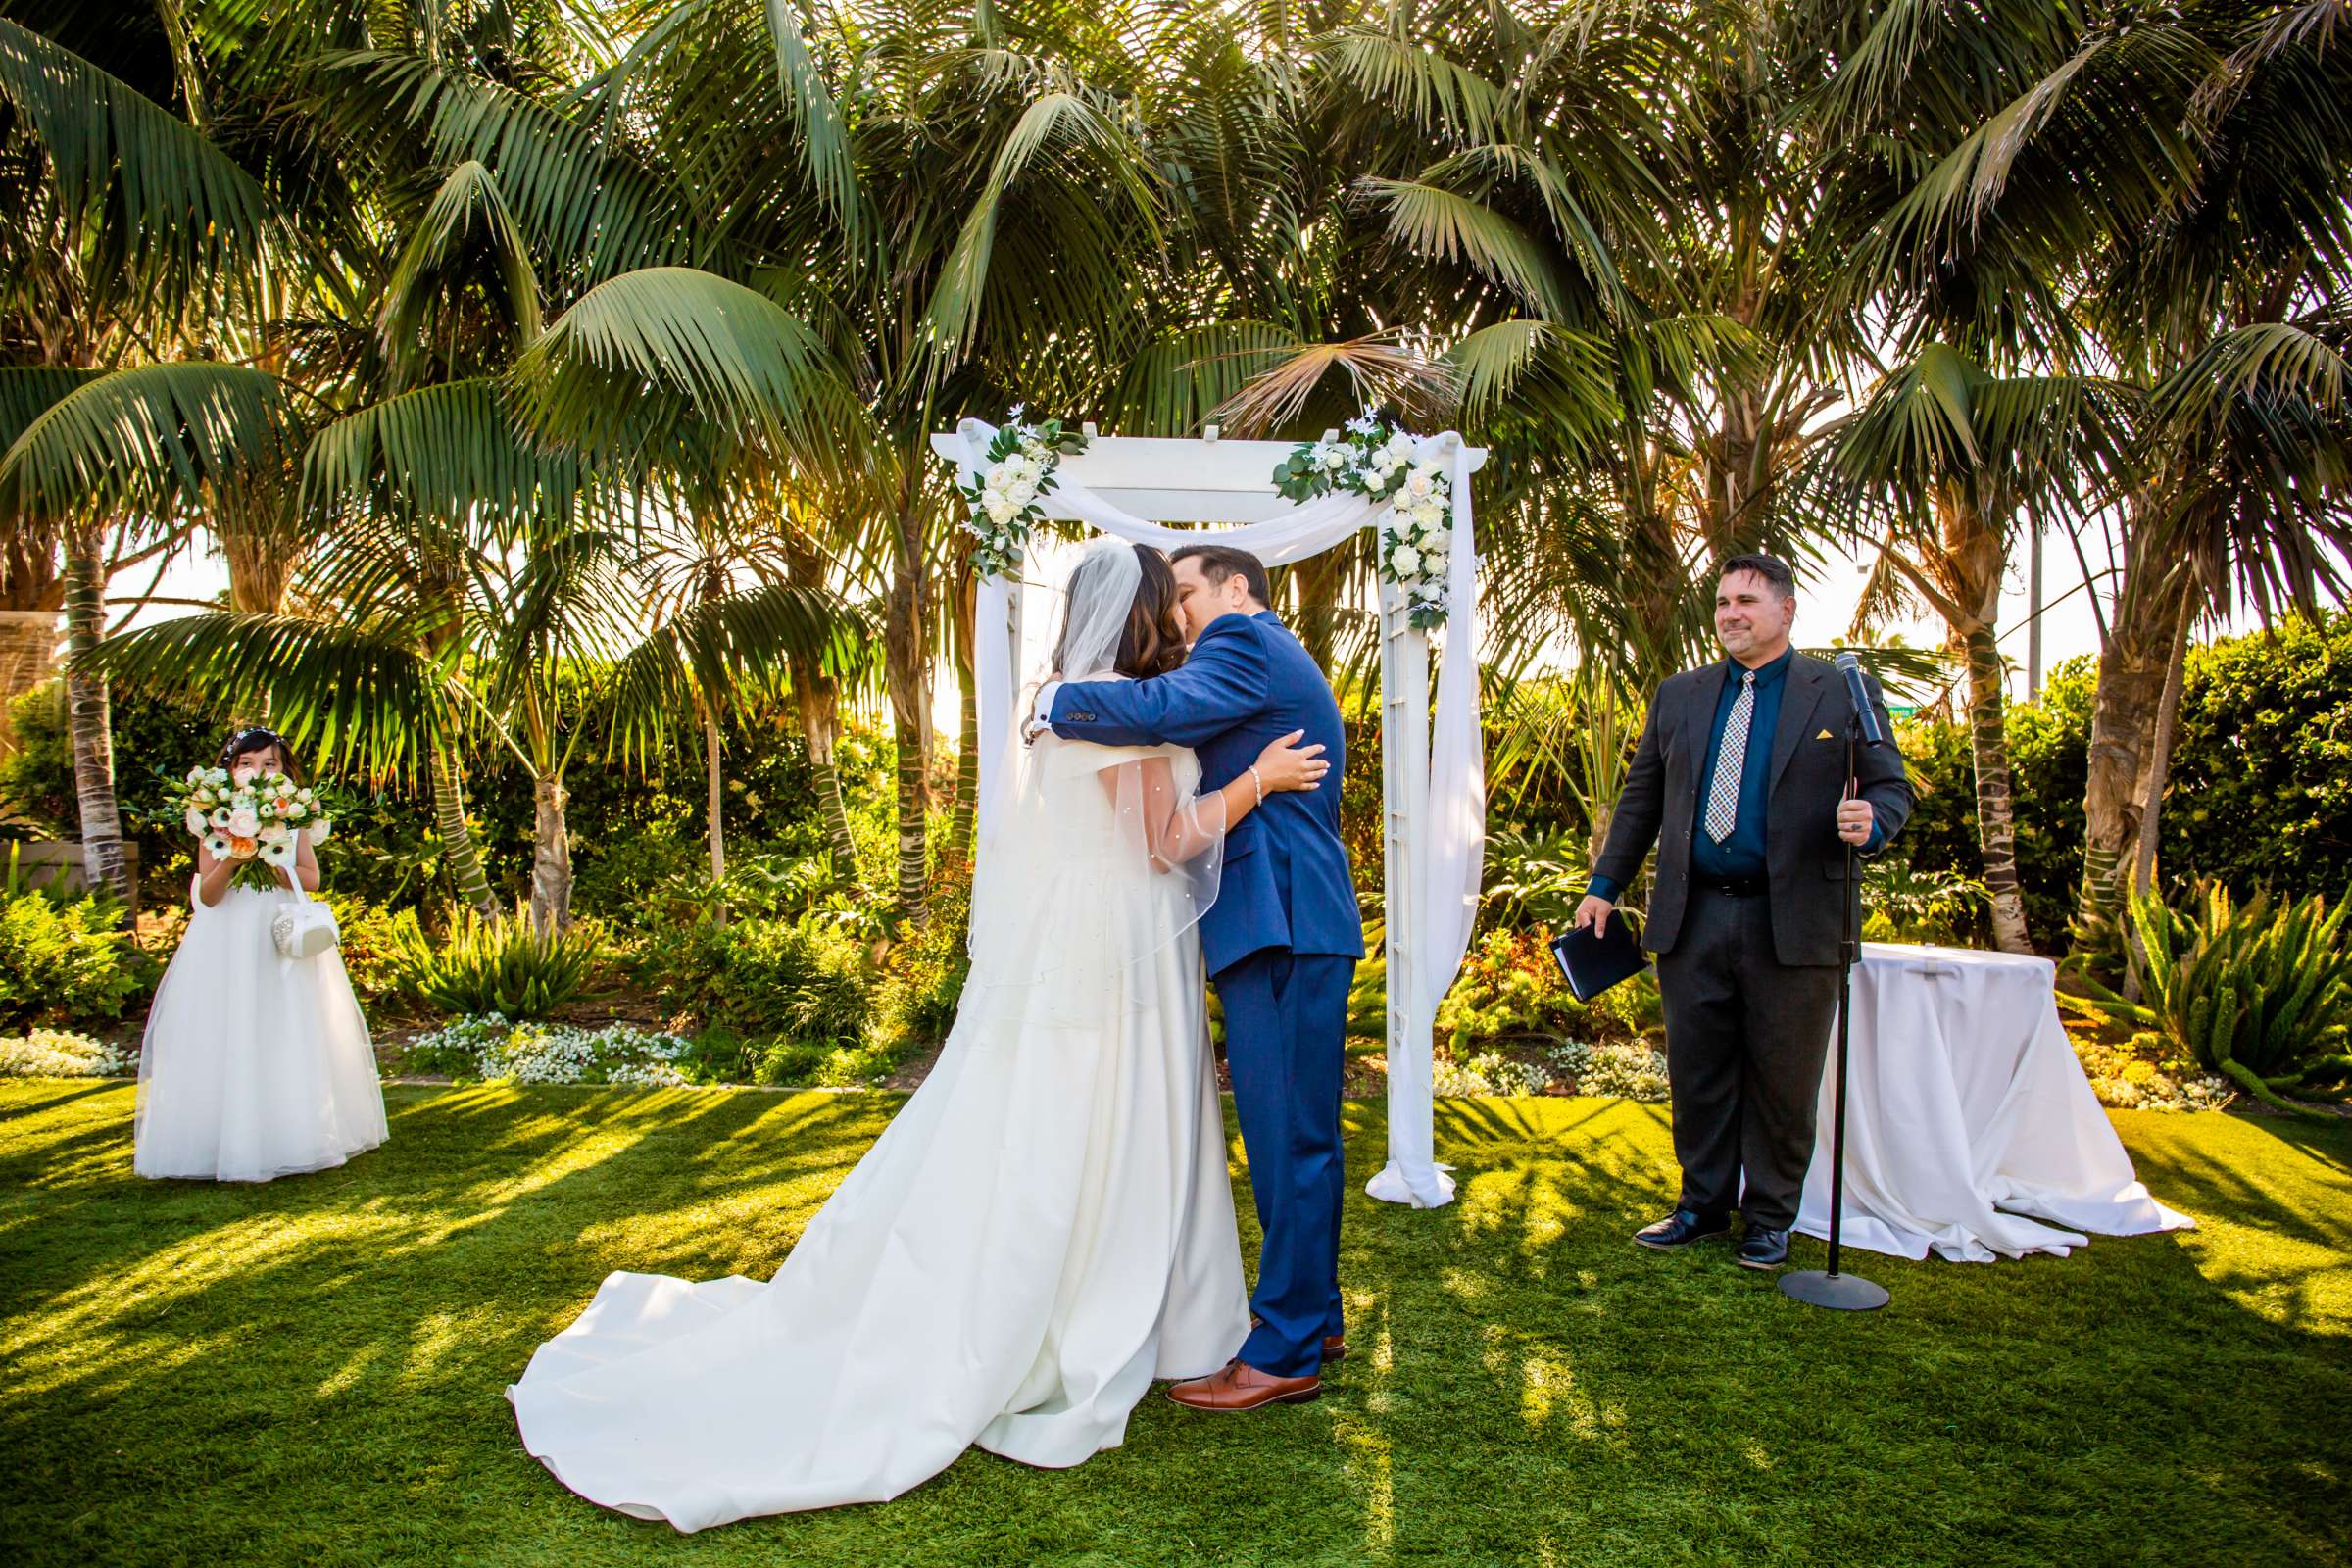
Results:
[1970, 1129]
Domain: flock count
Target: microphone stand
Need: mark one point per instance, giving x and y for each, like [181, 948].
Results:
[1839, 1291]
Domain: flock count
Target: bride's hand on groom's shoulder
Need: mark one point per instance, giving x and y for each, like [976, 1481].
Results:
[1285, 764]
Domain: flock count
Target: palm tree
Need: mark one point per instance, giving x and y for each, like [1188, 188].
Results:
[2173, 182]
[125, 233]
[730, 631]
[959, 203]
[1954, 459]
[478, 469]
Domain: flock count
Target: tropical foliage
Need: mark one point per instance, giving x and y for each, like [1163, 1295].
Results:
[2260, 991]
[556, 383]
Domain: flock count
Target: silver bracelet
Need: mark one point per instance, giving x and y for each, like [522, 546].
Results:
[1258, 782]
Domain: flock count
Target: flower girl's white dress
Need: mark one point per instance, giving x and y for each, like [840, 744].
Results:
[254, 1065]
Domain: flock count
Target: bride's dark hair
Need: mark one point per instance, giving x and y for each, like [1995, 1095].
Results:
[1153, 642]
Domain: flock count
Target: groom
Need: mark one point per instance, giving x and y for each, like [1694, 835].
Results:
[1281, 944]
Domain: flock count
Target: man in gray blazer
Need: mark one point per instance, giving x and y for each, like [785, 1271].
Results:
[1740, 781]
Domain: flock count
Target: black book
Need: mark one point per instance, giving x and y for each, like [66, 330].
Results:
[1594, 963]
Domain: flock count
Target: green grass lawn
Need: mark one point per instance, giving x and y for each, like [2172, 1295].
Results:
[309, 1373]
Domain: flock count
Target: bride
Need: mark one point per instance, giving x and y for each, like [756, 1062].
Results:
[1046, 1225]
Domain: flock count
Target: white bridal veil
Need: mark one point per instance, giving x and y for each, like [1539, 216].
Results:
[1102, 855]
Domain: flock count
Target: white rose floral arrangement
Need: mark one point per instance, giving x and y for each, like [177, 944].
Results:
[257, 821]
[1016, 473]
[1375, 460]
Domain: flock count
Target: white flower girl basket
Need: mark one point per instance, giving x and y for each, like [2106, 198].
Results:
[306, 929]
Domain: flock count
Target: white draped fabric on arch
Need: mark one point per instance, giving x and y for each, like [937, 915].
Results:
[1434, 775]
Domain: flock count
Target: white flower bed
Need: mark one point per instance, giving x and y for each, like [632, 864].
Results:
[2159, 1093]
[61, 1054]
[493, 1049]
[1621, 1069]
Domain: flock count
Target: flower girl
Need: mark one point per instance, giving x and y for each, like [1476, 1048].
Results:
[255, 1065]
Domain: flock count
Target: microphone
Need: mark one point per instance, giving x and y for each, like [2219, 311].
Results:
[1858, 693]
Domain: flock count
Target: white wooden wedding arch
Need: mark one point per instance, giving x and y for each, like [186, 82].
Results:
[1433, 781]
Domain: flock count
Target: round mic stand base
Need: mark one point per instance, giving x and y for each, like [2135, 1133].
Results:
[1839, 1293]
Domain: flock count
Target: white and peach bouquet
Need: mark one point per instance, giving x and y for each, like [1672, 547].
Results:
[258, 819]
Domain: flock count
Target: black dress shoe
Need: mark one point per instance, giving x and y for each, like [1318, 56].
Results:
[1762, 1249]
[1681, 1228]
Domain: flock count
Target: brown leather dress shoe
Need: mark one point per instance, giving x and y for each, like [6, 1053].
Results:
[1243, 1386]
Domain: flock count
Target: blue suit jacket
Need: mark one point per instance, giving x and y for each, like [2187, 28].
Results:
[1286, 881]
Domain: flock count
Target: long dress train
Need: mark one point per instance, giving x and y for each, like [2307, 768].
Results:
[1046, 1227]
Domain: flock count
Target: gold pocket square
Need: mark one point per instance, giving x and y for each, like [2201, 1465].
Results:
[1824, 735]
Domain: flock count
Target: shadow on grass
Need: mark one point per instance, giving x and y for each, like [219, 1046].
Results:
[309, 1372]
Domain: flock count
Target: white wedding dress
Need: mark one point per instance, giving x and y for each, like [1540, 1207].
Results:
[1046, 1227]
[253, 1066]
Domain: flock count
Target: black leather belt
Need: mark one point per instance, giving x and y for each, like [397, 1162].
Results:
[1734, 886]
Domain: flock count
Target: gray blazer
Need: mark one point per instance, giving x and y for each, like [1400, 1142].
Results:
[1804, 858]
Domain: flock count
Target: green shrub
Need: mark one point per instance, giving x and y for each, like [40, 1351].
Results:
[1512, 987]
[804, 978]
[499, 966]
[1531, 878]
[66, 960]
[2259, 992]
[1906, 904]
[922, 980]
[371, 942]
[2261, 786]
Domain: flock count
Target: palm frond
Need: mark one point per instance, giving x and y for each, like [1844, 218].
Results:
[823, 138]
[727, 653]
[637, 362]
[168, 217]
[467, 217]
[1178, 382]
[1435, 223]
[1379, 371]
[1091, 146]
[150, 440]
[360, 699]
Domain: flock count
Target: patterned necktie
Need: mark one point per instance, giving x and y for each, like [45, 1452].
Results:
[1730, 758]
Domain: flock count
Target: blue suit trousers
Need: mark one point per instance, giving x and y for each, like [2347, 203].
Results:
[1286, 1030]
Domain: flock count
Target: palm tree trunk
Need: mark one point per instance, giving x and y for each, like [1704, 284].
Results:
[968, 752]
[905, 649]
[2152, 810]
[551, 855]
[715, 803]
[2125, 710]
[90, 721]
[457, 849]
[2160, 756]
[817, 698]
[1996, 824]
